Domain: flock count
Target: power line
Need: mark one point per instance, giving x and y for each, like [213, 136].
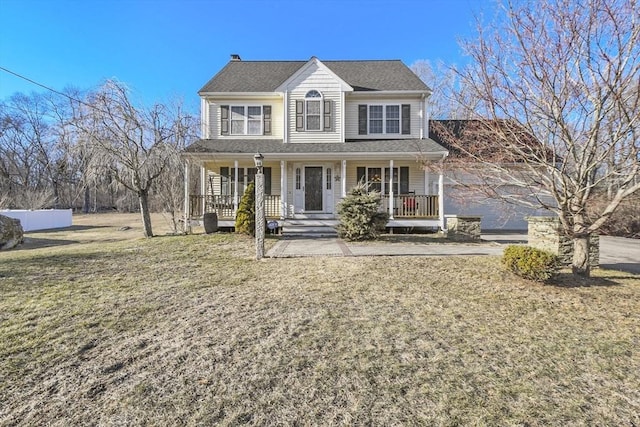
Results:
[93, 107]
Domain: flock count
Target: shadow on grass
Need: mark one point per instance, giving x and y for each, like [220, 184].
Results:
[65, 229]
[35, 243]
[569, 280]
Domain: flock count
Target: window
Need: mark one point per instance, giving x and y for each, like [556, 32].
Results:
[228, 179]
[373, 178]
[245, 120]
[375, 119]
[393, 119]
[298, 179]
[313, 107]
[384, 119]
[314, 113]
[329, 183]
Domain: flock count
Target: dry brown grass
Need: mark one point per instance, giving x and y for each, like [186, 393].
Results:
[106, 328]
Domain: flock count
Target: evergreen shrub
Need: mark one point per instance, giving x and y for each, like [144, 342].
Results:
[246, 215]
[531, 263]
[360, 215]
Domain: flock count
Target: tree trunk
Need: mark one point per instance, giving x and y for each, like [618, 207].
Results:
[86, 201]
[143, 197]
[580, 265]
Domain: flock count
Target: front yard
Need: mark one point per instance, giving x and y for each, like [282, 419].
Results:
[100, 327]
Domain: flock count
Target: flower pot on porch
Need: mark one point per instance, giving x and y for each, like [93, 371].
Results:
[210, 222]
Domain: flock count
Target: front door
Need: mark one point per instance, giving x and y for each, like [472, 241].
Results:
[313, 188]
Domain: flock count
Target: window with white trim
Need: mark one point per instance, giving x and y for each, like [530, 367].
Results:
[313, 110]
[384, 119]
[246, 120]
[373, 178]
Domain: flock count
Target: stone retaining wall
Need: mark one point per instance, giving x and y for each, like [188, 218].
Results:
[544, 233]
[463, 227]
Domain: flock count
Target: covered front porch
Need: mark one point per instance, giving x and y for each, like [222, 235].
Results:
[308, 189]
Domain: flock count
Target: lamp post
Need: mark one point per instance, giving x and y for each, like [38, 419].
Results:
[260, 215]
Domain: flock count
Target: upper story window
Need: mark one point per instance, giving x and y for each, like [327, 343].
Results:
[245, 120]
[393, 119]
[314, 113]
[313, 110]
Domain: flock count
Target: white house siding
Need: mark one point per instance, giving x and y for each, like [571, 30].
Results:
[317, 78]
[351, 111]
[277, 111]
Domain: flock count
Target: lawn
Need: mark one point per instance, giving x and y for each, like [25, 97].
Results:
[101, 327]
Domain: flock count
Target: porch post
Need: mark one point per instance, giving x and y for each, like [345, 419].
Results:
[203, 188]
[391, 189]
[187, 218]
[235, 188]
[441, 195]
[427, 184]
[343, 180]
[283, 189]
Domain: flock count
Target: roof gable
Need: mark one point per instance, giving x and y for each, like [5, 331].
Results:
[311, 63]
[270, 76]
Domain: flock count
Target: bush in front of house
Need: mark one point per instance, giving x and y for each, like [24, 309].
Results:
[531, 263]
[246, 215]
[360, 215]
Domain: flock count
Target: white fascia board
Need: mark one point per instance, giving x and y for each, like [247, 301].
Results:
[324, 156]
[344, 86]
[211, 95]
[387, 93]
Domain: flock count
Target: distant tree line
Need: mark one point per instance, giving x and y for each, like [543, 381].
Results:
[93, 151]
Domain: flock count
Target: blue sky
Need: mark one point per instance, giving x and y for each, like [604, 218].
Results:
[168, 48]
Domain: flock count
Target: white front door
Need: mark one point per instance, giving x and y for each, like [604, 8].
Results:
[313, 188]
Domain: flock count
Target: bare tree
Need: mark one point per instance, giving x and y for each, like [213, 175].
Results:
[135, 146]
[567, 73]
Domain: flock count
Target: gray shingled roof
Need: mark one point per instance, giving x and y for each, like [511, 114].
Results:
[266, 76]
[276, 146]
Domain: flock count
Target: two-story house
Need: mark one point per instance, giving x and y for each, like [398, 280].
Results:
[321, 126]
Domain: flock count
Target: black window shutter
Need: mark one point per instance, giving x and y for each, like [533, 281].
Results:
[266, 119]
[404, 180]
[327, 115]
[362, 119]
[224, 120]
[406, 119]
[267, 180]
[360, 174]
[299, 116]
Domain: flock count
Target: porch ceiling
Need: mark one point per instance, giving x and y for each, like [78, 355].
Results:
[392, 148]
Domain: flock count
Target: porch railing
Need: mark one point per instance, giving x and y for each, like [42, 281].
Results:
[412, 206]
[224, 206]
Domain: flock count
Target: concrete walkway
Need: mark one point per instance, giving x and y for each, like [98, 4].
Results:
[616, 253]
[291, 247]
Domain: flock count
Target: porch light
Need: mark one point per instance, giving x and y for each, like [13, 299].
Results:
[257, 159]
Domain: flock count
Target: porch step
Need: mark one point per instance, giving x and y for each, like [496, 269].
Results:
[310, 228]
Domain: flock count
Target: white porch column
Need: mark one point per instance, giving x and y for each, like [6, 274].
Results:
[427, 183]
[283, 189]
[441, 195]
[235, 188]
[391, 200]
[343, 178]
[187, 223]
[203, 188]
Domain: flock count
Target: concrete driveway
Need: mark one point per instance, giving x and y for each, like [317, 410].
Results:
[617, 253]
